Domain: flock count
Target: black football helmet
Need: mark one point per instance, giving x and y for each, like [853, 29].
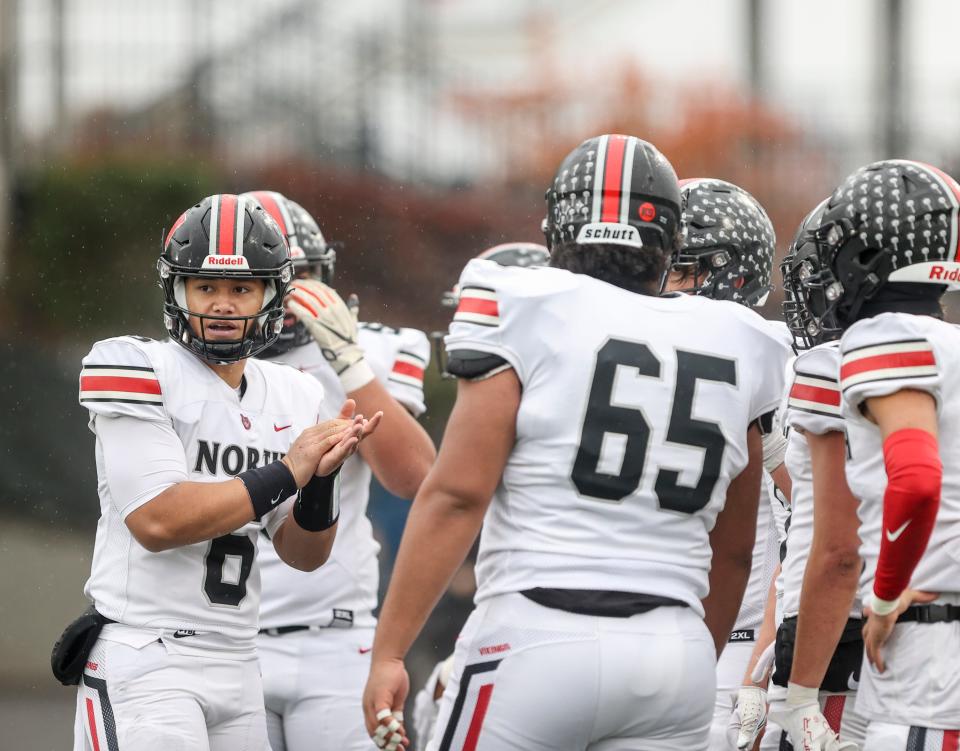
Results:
[308, 247]
[614, 189]
[889, 232]
[728, 242]
[506, 254]
[225, 236]
[310, 252]
[806, 310]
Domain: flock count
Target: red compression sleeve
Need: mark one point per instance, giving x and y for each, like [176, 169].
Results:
[910, 503]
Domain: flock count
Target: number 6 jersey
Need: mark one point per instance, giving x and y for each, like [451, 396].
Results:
[632, 423]
[161, 416]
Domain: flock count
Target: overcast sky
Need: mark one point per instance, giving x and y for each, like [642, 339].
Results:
[821, 56]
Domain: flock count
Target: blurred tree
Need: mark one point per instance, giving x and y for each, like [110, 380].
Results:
[88, 235]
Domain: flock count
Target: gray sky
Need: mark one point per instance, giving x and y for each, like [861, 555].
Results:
[821, 60]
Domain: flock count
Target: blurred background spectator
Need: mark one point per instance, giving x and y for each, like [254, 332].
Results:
[418, 132]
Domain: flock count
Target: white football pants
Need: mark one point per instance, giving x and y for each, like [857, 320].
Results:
[148, 699]
[313, 685]
[531, 678]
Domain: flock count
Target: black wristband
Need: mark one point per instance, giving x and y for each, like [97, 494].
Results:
[318, 506]
[268, 487]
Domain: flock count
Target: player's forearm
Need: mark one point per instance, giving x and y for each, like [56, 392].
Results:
[400, 453]
[728, 582]
[766, 634]
[437, 538]
[829, 588]
[302, 549]
[191, 512]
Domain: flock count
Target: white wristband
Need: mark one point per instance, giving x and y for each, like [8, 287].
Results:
[883, 607]
[798, 695]
[356, 376]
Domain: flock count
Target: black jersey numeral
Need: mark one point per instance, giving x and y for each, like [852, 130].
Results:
[603, 418]
[218, 591]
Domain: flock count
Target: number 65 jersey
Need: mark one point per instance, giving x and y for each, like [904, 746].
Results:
[632, 423]
[160, 417]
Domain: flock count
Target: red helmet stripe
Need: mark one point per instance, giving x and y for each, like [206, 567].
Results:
[176, 225]
[226, 241]
[612, 179]
[951, 185]
[597, 178]
[270, 204]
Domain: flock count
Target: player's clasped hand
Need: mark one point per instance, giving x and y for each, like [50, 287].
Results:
[322, 448]
[383, 699]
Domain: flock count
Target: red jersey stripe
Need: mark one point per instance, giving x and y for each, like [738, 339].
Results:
[91, 719]
[476, 722]
[887, 362]
[612, 177]
[408, 369]
[228, 225]
[120, 383]
[815, 394]
[478, 305]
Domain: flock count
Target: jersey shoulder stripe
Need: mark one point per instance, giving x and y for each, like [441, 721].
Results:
[907, 358]
[120, 383]
[478, 305]
[816, 394]
[408, 369]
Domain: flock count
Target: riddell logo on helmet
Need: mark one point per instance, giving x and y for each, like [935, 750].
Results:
[942, 273]
[609, 232]
[225, 262]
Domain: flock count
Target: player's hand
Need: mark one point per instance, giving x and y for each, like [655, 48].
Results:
[748, 719]
[313, 443]
[808, 728]
[426, 704]
[349, 443]
[383, 698]
[878, 628]
[333, 325]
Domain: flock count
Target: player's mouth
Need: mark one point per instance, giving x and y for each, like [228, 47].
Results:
[223, 330]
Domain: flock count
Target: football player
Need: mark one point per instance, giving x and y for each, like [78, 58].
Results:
[727, 254]
[888, 250]
[526, 255]
[199, 449]
[819, 646]
[316, 629]
[610, 427]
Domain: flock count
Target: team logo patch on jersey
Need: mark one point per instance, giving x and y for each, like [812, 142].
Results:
[911, 358]
[408, 368]
[119, 383]
[812, 393]
[478, 305]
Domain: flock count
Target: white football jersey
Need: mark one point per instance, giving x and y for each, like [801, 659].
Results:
[632, 423]
[813, 406]
[212, 586]
[766, 548]
[880, 356]
[344, 590]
